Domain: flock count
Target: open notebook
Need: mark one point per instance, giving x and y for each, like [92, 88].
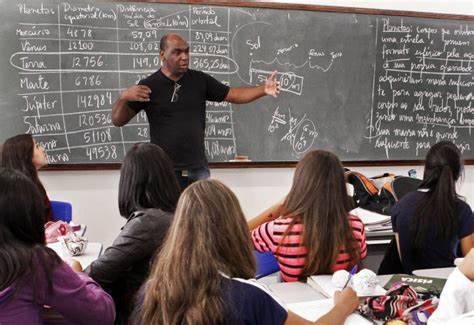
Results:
[313, 310]
[324, 285]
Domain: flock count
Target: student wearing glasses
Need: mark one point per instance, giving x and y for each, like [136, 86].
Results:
[174, 99]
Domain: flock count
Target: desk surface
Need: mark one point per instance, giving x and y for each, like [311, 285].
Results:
[441, 273]
[92, 252]
[295, 294]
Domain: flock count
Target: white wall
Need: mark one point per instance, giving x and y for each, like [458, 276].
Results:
[93, 194]
[461, 7]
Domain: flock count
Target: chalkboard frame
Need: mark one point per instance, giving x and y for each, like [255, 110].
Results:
[290, 6]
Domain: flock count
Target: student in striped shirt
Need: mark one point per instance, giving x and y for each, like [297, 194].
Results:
[311, 231]
[199, 276]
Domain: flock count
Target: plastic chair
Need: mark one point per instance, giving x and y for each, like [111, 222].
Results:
[61, 211]
[266, 264]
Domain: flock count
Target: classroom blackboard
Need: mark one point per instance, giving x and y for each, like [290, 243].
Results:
[369, 87]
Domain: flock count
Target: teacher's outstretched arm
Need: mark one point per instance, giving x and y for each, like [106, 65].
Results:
[121, 111]
[243, 95]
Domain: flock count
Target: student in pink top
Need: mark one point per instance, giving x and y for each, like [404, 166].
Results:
[311, 231]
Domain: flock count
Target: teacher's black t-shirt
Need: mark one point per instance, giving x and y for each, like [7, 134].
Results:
[176, 113]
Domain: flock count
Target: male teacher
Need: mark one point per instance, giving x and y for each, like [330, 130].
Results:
[174, 99]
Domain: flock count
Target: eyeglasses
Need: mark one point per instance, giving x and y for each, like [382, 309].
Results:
[175, 96]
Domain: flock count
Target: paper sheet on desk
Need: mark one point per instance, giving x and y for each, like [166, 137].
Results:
[313, 310]
[324, 285]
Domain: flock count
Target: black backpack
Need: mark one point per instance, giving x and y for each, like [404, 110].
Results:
[380, 193]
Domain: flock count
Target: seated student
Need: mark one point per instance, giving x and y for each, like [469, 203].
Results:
[311, 231]
[456, 304]
[199, 275]
[23, 153]
[32, 275]
[428, 222]
[148, 193]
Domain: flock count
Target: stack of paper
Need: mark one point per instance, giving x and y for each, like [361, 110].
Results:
[373, 221]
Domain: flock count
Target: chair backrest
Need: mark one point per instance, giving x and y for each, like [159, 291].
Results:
[61, 211]
[266, 264]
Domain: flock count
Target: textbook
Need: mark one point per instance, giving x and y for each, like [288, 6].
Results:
[421, 284]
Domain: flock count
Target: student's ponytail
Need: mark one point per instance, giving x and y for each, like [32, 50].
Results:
[438, 209]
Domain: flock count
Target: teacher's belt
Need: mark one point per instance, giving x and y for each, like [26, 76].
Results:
[183, 172]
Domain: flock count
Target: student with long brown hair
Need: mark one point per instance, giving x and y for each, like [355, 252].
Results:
[198, 275]
[311, 231]
[24, 154]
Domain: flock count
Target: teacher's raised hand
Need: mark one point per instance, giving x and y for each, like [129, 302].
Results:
[272, 86]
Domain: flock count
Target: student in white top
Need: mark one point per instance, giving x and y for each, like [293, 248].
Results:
[456, 305]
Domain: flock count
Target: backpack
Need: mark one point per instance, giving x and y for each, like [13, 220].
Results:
[379, 193]
[392, 305]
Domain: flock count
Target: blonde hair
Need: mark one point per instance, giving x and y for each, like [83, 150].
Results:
[209, 235]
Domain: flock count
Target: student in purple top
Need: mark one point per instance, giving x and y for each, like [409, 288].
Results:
[430, 222]
[32, 275]
[200, 274]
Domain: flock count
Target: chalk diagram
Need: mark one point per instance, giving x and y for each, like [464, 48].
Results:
[289, 74]
[300, 131]
[292, 59]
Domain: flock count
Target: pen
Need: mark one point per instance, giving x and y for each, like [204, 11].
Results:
[351, 274]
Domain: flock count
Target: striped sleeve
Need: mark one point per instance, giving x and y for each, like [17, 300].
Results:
[358, 229]
[263, 237]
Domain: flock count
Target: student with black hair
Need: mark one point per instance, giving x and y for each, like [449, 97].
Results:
[430, 222]
[148, 194]
[23, 153]
[31, 274]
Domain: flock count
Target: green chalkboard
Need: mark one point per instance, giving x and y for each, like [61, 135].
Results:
[369, 87]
